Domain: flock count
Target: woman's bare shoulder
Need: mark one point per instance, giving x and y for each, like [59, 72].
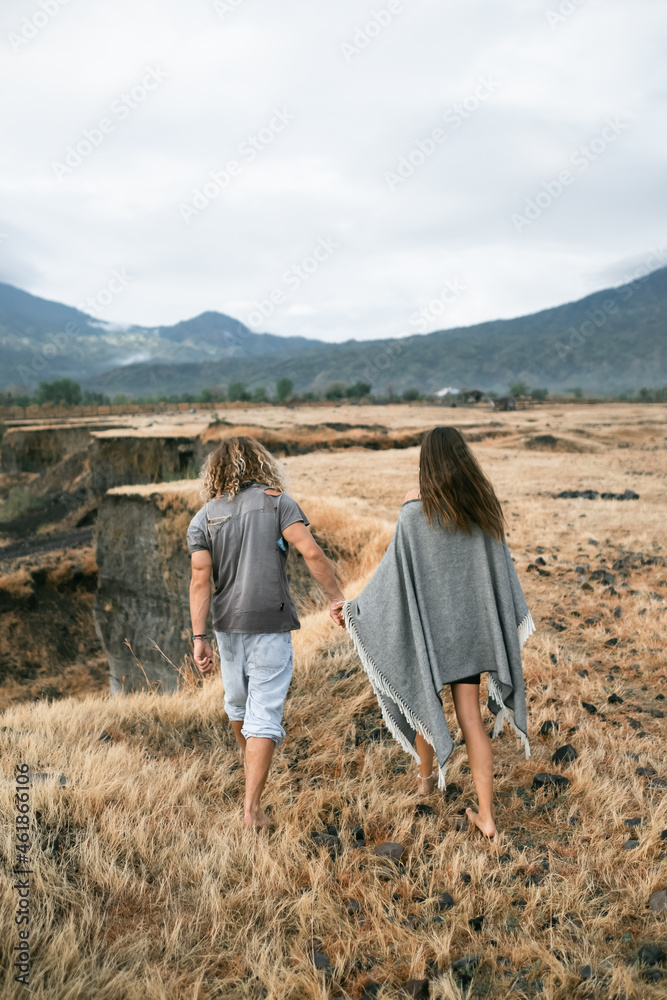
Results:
[412, 495]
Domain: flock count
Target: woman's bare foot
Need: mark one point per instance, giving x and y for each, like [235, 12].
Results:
[258, 821]
[486, 825]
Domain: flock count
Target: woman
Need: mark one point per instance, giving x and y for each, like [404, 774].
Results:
[445, 604]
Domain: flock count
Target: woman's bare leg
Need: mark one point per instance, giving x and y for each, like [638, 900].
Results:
[480, 755]
[425, 751]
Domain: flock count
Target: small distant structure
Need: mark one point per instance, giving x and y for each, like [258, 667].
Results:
[472, 395]
[504, 403]
[449, 390]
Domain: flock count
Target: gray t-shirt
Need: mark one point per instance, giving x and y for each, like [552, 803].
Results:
[244, 537]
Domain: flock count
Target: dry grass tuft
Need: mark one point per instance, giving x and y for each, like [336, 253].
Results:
[146, 887]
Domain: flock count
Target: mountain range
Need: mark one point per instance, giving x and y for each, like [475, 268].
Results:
[610, 341]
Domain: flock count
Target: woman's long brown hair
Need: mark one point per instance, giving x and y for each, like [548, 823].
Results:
[454, 490]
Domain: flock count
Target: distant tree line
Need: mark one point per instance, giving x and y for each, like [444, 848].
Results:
[67, 392]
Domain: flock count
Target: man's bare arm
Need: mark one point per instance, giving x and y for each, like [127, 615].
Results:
[299, 536]
[200, 597]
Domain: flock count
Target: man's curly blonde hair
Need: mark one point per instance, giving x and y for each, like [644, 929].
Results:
[233, 462]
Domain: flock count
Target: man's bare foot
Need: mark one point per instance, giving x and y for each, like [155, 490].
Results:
[258, 821]
[487, 826]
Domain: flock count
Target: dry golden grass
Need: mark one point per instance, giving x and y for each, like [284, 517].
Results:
[146, 886]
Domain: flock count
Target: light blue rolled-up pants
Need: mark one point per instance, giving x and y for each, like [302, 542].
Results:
[256, 670]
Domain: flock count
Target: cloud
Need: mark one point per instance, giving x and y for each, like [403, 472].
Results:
[228, 69]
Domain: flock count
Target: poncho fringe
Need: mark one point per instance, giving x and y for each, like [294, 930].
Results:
[380, 685]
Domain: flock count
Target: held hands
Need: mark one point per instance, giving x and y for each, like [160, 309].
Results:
[203, 656]
[336, 612]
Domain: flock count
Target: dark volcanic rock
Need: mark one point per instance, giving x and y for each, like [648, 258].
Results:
[635, 821]
[320, 960]
[630, 845]
[650, 954]
[549, 726]
[476, 922]
[445, 901]
[645, 772]
[564, 754]
[585, 972]
[417, 988]
[390, 850]
[461, 825]
[591, 709]
[657, 901]
[657, 783]
[615, 699]
[353, 906]
[452, 792]
[546, 780]
[422, 809]
[466, 878]
[465, 964]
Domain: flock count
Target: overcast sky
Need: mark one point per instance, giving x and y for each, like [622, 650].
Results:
[402, 139]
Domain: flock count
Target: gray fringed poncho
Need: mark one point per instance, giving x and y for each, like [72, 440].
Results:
[442, 605]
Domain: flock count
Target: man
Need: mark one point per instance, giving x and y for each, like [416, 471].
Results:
[243, 533]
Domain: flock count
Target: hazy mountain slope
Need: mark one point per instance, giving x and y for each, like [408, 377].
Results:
[613, 340]
[40, 339]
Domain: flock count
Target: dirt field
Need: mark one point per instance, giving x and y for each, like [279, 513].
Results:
[145, 885]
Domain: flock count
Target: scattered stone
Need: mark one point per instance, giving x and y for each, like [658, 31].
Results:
[618, 611]
[652, 975]
[635, 821]
[461, 825]
[105, 737]
[630, 845]
[465, 964]
[663, 835]
[320, 960]
[422, 809]
[390, 850]
[504, 859]
[585, 972]
[657, 783]
[612, 642]
[465, 878]
[549, 726]
[591, 709]
[645, 772]
[353, 906]
[445, 901]
[371, 991]
[553, 657]
[358, 832]
[650, 954]
[657, 901]
[546, 780]
[586, 586]
[452, 792]
[540, 561]
[615, 699]
[476, 922]
[417, 988]
[564, 754]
